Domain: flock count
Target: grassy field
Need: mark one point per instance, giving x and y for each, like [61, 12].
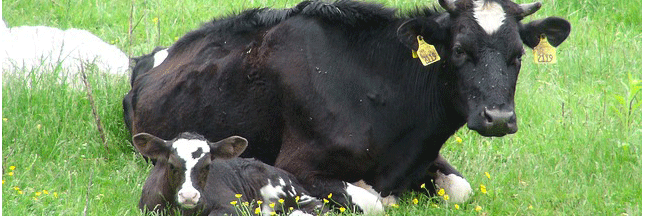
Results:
[578, 150]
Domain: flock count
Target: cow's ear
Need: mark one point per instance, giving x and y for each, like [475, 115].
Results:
[228, 148]
[431, 31]
[151, 146]
[555, 29]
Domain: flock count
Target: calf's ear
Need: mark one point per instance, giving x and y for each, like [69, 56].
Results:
[151, 146]
[554, 28]
[228, 148]
[428, 28]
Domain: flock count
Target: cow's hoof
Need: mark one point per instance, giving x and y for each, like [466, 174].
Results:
[456, 187]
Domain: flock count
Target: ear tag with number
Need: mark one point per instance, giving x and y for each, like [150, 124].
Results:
[426, 52]
[544, 53]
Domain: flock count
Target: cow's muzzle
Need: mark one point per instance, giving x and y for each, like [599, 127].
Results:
[494, 122]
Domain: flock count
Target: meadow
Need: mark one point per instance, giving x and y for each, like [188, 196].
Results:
[578, 150]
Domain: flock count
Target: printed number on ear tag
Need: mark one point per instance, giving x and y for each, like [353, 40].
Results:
[426, 52]
[544, 53]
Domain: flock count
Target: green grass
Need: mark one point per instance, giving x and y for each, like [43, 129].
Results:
[578, 150]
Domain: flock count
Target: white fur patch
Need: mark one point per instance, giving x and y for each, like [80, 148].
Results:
[456, 187]
[270, 194]
[185, 149]
[299, 213]
[368, 202]
[160, 56]
[386, 201]
[489, 15]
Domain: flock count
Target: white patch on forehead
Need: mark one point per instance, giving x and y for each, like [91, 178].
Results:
[160, 57]
[489, 15]
[185, 150]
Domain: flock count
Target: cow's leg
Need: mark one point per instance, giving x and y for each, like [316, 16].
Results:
[448, 178]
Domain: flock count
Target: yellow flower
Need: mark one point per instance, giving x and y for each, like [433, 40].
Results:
[325, 200]
[273, 213]
[281, 201]
[257, 210]
[176, 38]
[238, 196]
[233, 202]
[259, 202]
[415, 201]
[530, 207]
[45, 192]
[271, 205]
[19, 192]
[297, 198]
[38, 193]
[35, 198]
[245, 203]
[435, 205]
[16, 188]
[446, 197]
[487, 175]
[2, 181]
[12, 168]
[55, 195]
[459, 140]
[478, 208]
[441, 192]
[155, 20]
[38, 126]
[329, 196]
[456, 206]
[10, 173]
[482, 188]
[341, 209]
[423, 185]
[394, 205]
[5, 119]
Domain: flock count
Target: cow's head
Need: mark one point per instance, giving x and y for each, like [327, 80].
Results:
[186, 160]
[481, 43]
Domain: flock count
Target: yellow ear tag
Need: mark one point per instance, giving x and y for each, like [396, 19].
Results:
[544, 53]
[426, 52]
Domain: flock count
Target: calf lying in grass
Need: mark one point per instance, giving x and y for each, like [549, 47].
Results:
[198, 177]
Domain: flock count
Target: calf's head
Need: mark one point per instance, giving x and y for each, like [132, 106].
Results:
[480, 43]
[186, 161]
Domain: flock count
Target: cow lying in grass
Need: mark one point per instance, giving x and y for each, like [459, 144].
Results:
[198, 177]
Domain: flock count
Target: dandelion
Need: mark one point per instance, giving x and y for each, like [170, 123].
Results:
[238, 196]
[290, 208]
[478, 208]
[176, 38]
[45, 192]
[530, 207]
[5, 119]
[456, 206]
[55, 195]
[155, 20]
[482, 188]
[281, 201]
[12, 168]
[272, 205]
[341, 209]
[394, 205]
[415, 201]
[10, 173]
[20, 192]
[2, 181]
[257, 210]
[35, 198]
[38, 193]
[441, 192]
[423, 185]
[16, 188]
[259, 202]
[459, 140]
[329, 196]
[446, 197]
[297, 198]
[325, 200]
[487, 175]
[233, 202]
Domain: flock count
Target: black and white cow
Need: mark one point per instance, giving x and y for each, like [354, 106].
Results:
[329, 91]
[198, 177]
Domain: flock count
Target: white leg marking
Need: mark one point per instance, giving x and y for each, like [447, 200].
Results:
[489, 15]
[386, 201]
[456, 187]
[160, 57]
[369, 203]
[299, 213]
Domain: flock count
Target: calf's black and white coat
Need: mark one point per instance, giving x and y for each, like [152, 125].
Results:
[198, 177]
